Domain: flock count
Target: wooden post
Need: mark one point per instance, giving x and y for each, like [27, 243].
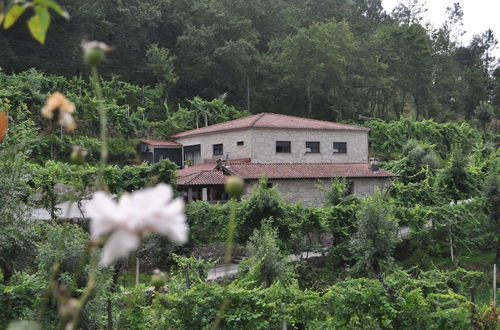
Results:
[190, 195]
[186, 277]
[451, 243]
[494, 285]
[248, 92]
[136, 271]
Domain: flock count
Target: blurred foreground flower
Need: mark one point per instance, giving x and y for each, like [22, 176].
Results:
[93, 51]
[58, 106]
[134, 216]
[4, 122]
[78, 155]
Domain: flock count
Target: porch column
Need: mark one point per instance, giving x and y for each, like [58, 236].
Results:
[190, 195]
[204, 194]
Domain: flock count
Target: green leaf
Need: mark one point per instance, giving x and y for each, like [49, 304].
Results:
[12, 15]
[39, 23]
[54, 5]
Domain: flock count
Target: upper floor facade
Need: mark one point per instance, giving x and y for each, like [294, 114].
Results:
[274, 138]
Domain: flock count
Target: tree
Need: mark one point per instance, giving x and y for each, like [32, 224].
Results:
[454, 181]
[484, 113]
[376, 234]
[161, 63]
[267, 263]
[491, 195]
[415, 159]
[407, 52]
[410, 12]
[263, 203]
[315, 60]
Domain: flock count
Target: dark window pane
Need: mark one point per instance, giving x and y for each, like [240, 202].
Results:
[312, 147]
[283, 146]
[218, 149]
[240, 143]
[339, 147]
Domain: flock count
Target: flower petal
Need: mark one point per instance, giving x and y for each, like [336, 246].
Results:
[67, 121]
[172, 222]
[102, 210]
[119, 245]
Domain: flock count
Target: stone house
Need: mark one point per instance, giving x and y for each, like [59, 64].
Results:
[297, 155]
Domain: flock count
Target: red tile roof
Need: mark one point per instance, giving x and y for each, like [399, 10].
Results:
[162, 143]
[252, 171]
[189, 173]
[204, 177]
[306, 170]
[271, 120]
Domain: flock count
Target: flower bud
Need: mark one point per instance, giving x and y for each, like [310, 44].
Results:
[78, 155]
[94, 56]
[69, 308]
[94, 52]
[158, 279]
[234, 186]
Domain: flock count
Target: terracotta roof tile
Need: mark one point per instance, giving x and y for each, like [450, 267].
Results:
[306, 170]
[271, 120]
[206, 166]
[206, 174]
[204, 177]
[162, 143]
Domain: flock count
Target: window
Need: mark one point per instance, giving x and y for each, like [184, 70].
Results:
[218, 149]
[240, 143]
[283, 146]
[312, 147]
[339, 147]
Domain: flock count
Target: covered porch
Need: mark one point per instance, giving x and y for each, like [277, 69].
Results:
[207, 193]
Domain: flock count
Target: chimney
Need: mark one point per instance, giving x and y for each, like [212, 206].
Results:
[374, 164]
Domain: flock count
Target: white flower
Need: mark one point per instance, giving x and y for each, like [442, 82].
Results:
[135, 215]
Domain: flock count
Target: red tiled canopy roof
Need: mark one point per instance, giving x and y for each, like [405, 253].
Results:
[204, 177]
[306, 170]
[271, 120]
[161, 143]
[209, 174]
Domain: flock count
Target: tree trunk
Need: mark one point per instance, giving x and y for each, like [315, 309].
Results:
[6, 270]
[248, 93]
[165, 103]
[309, 100]
[497, 258]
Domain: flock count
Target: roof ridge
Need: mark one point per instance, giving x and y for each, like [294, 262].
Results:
[259, 117]
[312, 119]
[214, 125]
[298, 163]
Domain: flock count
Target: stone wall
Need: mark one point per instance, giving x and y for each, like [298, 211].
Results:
[260, 145]
[229, 141]
[264, 142]
[308, 192]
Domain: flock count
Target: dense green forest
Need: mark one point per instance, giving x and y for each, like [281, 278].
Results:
[432, 106]
[334, 60]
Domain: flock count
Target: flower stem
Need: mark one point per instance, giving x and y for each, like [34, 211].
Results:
[50, 288]
[103, 128]
[88, 289]
[231, 226]
[91, 282]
